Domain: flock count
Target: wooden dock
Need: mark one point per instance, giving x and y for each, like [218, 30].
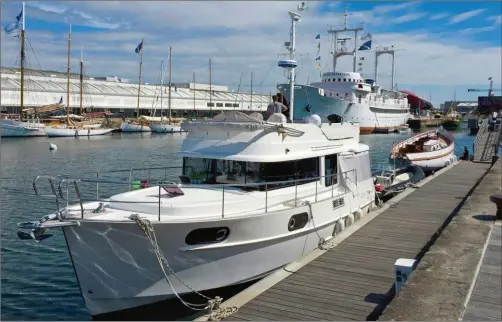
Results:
[355, 279]
[485, 302]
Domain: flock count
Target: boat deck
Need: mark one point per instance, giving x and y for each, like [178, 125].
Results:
[354, 279]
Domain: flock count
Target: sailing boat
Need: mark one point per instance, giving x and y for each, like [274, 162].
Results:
[22, 127]
[168, 127]
[70, 129]
[138, 125]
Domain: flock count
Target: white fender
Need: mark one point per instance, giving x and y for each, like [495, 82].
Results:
[358, 214]
[349, 220]
[339, 227]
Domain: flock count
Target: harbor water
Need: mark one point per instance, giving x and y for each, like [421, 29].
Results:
[37, 280]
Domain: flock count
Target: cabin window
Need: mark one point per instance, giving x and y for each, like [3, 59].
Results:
[236, 104]
[214, 171]
[350, 80]
[210, 104]
[331, 167]
[219, 104]
[228, 104]
[339, 79]
[345, 79]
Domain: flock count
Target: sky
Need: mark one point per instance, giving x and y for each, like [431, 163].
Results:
[445, 47]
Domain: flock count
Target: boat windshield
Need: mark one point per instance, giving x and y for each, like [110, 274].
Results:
[216, 171]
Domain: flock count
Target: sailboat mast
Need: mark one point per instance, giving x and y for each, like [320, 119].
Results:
[170, 82]
[139, 81]
[22, 63]
[68, 83]
[210, 89]
[161, 88]
[81, 78]
[251, 90]
[194, 92]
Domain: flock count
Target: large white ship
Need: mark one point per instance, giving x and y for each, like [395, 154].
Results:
[349, 95]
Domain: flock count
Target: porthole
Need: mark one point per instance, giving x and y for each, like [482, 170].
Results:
[207, 235]
[298, 221]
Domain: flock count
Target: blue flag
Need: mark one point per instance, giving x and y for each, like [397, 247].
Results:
[14, 25]
[139, 48]
[366, 46]
[318, 37]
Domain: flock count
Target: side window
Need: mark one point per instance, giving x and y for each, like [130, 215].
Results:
[330, 165]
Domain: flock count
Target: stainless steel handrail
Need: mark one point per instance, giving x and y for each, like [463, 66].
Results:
[68, 181]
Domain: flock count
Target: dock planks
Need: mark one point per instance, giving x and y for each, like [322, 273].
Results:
[485, 303]
[354, 280]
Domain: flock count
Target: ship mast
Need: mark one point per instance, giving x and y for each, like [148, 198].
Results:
[251, 91]
[22, 63]
[68, 83]
[170, 82]
[81, 77]
[194, 92]
[139, 81]
[344, 51]
[161, 89]
[210, 90]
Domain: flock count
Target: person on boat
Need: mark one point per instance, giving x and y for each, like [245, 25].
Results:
[275, 106]
[465, 155]
[284, 102]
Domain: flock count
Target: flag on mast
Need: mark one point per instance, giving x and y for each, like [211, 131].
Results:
[14, 25]
[139, 48]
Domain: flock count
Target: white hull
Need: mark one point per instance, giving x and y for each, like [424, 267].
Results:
[371, 116]
[133, 127]
[165, 128]
[116, 272]
[14, 128]
[63, 132]
[428, 160]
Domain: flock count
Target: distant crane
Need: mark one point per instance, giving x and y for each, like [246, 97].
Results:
[490, 91]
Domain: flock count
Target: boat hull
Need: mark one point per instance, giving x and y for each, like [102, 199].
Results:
[134, 127]
[117, 268]
[165, 128]
[428, 160]
[62, 132]
[371, 119]
[14, 128]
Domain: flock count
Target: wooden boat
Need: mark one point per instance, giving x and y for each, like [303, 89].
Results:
[430, 150]
[393, 181]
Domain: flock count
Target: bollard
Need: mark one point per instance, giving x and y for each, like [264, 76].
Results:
[404, 267]
[497, 199]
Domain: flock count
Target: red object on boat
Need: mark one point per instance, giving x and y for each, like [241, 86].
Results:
[144, 184]
[378, 188]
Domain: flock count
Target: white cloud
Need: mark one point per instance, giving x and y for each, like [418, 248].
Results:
[497, 20]
[439, 16]
[409, 17]
[473, 31]
[394, 7]
[465, 16]
[245, 37]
